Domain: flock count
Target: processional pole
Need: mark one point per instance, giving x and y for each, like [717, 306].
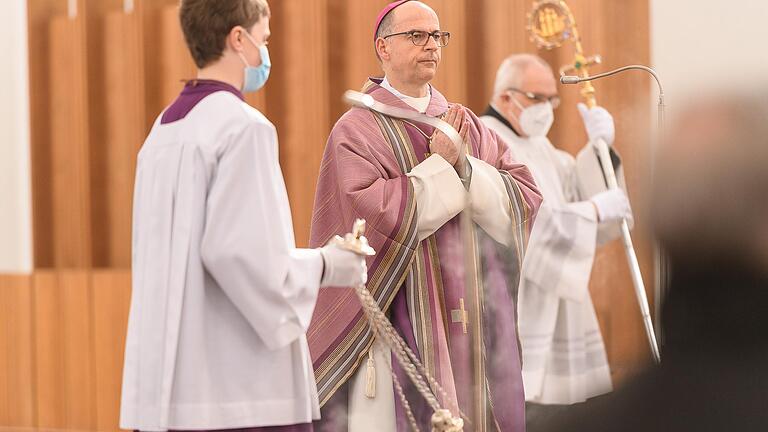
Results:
[550, 24]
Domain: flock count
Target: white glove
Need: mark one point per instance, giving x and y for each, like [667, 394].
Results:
[612, 205]
[598, 122]
[343, 268]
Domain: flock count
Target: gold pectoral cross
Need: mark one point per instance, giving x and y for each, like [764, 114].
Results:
[460, 315]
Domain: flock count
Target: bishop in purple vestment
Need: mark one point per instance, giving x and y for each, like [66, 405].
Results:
[403, 178]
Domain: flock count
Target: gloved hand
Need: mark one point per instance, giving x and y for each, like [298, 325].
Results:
[342, 267]
[598, 122]
[612, 205]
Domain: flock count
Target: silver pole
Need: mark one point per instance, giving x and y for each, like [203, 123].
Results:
[610, 176]
[629, 249]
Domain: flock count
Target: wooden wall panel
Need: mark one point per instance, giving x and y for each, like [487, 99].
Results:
[125, 131]
[111, 302]
[49, 337]
[70, 209]
[77, 321]
[39, 13]
[62, 337]
[351, 54]
[152, 18]
[454, 69]
[175, 61]
[298, 100]
[494, 30]
[97, 47]
[116, 125]
[16, 352]
[5, 350]
[63, 341]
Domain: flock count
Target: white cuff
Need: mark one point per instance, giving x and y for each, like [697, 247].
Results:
[440, 195]
[491, 208]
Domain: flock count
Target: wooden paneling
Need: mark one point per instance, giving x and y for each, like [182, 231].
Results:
[298, 100]
[494, 30]
[111, 301]
[117, 130]
[175, 62]
[125, 121]
[351, 55]
[156, 40]
[63, 341]
[70, 201]
[77, 323]
[39, 13]
[453, 74]
[49, 349]
[69, 144]
[16, 352]
[62, 336]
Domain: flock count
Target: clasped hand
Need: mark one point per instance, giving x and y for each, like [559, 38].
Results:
[444, 146]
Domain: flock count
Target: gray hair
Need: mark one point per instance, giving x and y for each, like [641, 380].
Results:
[385, 27]
[511, 71]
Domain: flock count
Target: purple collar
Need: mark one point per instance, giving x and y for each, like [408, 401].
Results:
[194, 91]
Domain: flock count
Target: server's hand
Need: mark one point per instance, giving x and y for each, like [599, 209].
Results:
[612, 205]
[598, 122]
[342, 268]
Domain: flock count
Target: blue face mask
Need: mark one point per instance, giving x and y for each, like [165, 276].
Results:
[256, 76]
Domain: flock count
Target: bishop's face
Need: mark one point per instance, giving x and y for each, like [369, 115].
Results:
[404, 60]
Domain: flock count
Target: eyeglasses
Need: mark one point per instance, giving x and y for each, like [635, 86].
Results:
[420, 37]
[539, 98]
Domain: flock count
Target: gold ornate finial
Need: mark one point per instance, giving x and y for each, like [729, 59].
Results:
[551, 24]
[356, 241]
[358, 228]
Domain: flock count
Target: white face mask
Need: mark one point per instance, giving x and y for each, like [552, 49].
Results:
[536, 120]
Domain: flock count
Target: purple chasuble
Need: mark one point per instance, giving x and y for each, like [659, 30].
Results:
[499, 332]
[194, 91]
[374, 187]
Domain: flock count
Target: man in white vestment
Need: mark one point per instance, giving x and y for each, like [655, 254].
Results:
[564, 358]
[222, 298]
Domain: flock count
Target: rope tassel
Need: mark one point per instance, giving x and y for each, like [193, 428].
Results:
[370, 377]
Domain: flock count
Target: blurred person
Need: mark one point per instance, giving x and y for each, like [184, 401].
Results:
[710, 214]
[221, 296]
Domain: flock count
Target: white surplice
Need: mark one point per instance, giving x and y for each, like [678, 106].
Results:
[221, 296]
[564, 358]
